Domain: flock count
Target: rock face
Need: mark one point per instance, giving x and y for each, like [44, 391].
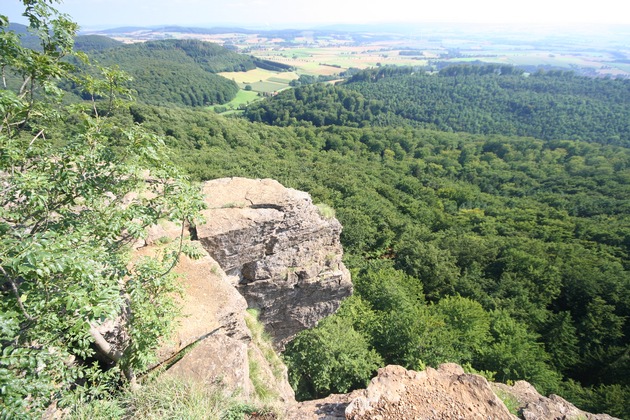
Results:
[533, 406]
[279, 251]
[398, 393]
[283, 257]
[212, 343]
[445, 393]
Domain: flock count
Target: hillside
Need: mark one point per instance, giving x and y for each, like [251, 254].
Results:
[94, 43]
[488, 99]
[179, 72]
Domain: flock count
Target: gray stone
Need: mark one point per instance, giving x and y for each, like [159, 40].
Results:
[283, 256]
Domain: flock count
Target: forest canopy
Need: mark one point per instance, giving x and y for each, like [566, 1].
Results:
[489, 99]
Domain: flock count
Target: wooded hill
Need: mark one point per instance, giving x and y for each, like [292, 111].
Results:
[181, 72]
[488, 99]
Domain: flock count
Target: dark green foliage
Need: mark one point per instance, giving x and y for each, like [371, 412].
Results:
[210, 57]
[319, 104]
[489, 99]
[94, 43]
[179, 72]
[515, 354]
[270, 65]
[500, 100]
[332, 357]
[534, 232]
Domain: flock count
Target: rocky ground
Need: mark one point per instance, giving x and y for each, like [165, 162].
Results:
[446, 393]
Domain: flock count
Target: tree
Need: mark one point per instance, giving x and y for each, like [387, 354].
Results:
[69, 209]
[515, 354]
[333, 357]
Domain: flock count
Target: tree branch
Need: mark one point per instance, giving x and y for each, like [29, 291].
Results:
[16, 292]
[103, 345]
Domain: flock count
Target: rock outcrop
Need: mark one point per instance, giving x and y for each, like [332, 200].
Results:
[283, 257]
[444, 393]
[280, 252]
[212, 343]
[398, 393]
[533, 406]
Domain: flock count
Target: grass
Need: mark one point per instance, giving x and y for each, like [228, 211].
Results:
[509, 400]
[261, 381]
[243, 97]
[325, 210]
[261, 388]
[279, 80]
[169, 398]
[233, 205]
[263, 340]
[267, 87]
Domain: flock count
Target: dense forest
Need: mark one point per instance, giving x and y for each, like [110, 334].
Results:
[508, 254]
[489, 99]
[486, 215]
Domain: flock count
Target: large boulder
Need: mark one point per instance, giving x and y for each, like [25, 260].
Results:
[272, 245]
[445, 393]
[279, 250]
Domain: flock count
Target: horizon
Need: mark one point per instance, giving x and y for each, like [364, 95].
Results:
[277, 14]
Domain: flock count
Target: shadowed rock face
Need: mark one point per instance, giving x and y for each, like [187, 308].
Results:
[283, 256]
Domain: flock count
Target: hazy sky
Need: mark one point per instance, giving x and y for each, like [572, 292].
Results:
[283, 13]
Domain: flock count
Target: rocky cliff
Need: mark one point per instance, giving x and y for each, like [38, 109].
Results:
[266, 247]
[279, 250]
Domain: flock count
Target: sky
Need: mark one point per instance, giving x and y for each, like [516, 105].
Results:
[287, 13]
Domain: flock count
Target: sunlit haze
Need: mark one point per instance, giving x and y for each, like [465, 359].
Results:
[284, 13]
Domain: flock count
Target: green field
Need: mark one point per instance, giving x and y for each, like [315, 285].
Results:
[243, 97]
[268, 87]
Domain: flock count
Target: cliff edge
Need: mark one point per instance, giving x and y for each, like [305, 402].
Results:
[279, 250]
[268, 248]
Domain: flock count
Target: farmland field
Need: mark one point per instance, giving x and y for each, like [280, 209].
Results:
[243, 97]
[258, 75]
[268, 87]
[332, 60]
